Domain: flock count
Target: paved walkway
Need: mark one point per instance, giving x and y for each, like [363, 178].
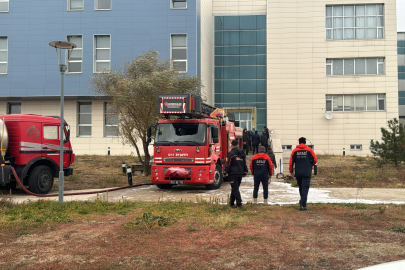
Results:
[279, 193]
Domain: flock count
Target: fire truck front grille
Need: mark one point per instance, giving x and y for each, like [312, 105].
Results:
[178, 160]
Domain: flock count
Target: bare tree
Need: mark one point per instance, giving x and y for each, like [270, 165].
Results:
[132, 91]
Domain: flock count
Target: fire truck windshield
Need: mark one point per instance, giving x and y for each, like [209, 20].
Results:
[181, 134]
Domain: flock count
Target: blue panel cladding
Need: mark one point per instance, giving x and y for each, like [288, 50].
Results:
[240, 63]
[135, 26]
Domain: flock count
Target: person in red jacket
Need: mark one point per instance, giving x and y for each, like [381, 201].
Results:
[303, 157]
[262, 169]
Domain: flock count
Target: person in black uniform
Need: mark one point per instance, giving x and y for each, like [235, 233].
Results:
[303, 158]
[246, 140]
[235, 168]
[262, 169]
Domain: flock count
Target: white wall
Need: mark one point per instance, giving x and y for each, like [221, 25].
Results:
[207, 51]
[297, 81]
[97, 144]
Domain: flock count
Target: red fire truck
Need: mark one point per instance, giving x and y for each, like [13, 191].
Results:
[191, 142]
[30, 144]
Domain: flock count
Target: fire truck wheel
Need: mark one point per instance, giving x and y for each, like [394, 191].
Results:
[164, 186]
[40, 180]
[217, 179]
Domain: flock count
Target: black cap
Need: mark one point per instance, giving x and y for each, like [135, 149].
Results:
[302, 140]
[235, 142]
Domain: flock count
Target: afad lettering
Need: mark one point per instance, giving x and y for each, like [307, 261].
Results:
[302, 153]
[260, 161]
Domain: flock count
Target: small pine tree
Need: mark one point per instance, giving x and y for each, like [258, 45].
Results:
[392, 147]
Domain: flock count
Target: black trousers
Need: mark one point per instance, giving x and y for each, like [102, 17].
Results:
[265, 184]
[303, 183]
[235, 181]
[257, 149]
[246, 148]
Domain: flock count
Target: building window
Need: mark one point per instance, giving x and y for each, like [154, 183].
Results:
[102, 53]
[355, 22]
[75, 5]
[3, 5]
[14, 108]
[356, 147]
[358, 66]
[355, 103]
[179, 52]
[3, 55]
[110, 121]
[178, 4]
[102, 5]
[84, 119]
[75, 56]
[286, 147]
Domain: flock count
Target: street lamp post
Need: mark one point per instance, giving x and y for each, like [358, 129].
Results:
[61, 45]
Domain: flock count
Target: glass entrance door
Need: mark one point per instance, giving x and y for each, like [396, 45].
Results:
[245, 119]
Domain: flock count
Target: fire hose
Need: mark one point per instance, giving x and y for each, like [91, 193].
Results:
[76, 193]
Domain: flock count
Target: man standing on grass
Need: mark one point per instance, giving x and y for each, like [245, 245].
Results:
[235, 168]
[303, 158]
[262, 169]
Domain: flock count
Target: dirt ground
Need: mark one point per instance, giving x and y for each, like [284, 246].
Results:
[209, 236]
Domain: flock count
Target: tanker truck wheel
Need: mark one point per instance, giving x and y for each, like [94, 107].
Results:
[40, 180]
[164, 186]
[217, 179]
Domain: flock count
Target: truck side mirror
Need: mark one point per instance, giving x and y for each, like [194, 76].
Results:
[149, 140]
[68, 136]
[215, 132]
[215, 140]
[149, 132]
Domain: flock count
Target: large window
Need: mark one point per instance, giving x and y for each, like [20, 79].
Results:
[3, 5]
[355, 22]
[102, 53]
[3, 55]
[355, 103]
[76, 56]
[110, 121]
[359, 66]
[102, 5]
[179, 52]
[84, 119]
[14, 108]
[75, 5]
[178, 4]
[181, 134]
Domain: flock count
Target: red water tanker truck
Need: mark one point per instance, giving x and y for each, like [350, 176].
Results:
[191, 142]
[30, 144]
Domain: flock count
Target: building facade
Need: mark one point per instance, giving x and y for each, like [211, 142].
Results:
[401, 76]
[319, 69]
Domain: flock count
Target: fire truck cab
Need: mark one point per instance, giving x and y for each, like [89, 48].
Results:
[191, 142]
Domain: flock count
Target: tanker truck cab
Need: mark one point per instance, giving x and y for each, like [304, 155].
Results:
[33, 151]
[189, 148]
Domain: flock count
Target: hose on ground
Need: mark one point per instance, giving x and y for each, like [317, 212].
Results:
[76, 193]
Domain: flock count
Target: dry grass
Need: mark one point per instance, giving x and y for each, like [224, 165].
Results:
[352, 171]
[209, 236]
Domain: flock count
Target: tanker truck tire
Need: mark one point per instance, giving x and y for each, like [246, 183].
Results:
[40, 180]
[217, 179]
[164, 186]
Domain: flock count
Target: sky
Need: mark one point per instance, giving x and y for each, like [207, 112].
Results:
[401, 15]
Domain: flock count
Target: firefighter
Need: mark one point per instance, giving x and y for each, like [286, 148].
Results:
[235, 168]
[262, 169]
[303, 158]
